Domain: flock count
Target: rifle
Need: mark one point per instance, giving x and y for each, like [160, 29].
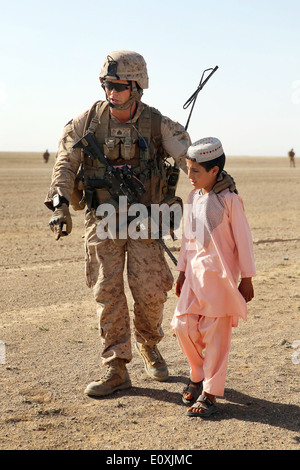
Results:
[119, 181]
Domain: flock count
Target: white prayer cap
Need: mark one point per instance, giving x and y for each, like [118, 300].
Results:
[205, 149]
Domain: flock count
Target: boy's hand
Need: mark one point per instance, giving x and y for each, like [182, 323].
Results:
[179, 283]
[246, 288]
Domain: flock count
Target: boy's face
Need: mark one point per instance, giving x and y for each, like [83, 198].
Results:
[200, 178]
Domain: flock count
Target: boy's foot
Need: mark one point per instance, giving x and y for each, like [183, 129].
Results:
[154, 363]
[203, 407]
[191, 392]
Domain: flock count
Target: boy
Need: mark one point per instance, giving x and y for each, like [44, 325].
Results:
[216, 251]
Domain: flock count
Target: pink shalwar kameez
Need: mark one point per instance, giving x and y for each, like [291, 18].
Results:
[216, 250]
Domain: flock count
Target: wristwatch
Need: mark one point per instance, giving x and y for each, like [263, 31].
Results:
[58, 200]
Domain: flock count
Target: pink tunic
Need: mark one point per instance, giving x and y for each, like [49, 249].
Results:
[216, 250]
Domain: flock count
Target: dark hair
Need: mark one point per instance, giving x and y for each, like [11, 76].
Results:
[219, 161]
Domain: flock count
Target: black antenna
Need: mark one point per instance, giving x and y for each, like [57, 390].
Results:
[194, 96]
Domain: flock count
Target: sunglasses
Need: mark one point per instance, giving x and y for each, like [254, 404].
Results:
[117, 86]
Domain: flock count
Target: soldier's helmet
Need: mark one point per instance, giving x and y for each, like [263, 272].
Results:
[125, 65]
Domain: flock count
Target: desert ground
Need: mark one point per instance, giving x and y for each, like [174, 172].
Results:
[52, 345]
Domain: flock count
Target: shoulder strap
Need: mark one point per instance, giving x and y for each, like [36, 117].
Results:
[149, 124]
[93, 119]
[156, 119]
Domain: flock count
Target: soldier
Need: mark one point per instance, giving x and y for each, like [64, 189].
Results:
[292, 158]
[46, 156]
[129, 132]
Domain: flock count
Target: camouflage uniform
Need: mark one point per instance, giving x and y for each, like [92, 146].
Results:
[148, 273]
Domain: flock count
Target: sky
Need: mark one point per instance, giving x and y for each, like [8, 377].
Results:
[52, 52]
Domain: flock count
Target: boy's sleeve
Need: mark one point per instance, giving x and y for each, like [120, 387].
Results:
[243, 237]
[181, 264]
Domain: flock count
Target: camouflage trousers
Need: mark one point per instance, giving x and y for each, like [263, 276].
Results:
[149, 279]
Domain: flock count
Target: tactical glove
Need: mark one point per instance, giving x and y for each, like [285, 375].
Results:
[224, 181]
[61, 216]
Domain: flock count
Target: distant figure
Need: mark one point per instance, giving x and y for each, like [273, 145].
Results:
[46, 156]
[291, 155]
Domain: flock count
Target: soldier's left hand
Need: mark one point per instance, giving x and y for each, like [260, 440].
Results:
[61, 216]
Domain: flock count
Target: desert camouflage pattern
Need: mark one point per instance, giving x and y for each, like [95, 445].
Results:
[130, 66]
[175, 141]
[149, 278]
[67, 161]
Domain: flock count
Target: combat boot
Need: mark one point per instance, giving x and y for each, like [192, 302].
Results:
[115, 378]
[155, 365]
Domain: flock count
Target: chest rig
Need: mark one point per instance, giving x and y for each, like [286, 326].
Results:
[138, 146]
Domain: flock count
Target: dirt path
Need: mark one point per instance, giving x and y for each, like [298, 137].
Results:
[49, 326]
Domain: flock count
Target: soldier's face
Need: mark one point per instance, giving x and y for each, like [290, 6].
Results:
[115, 97]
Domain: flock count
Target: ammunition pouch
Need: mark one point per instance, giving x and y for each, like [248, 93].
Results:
[145, 156]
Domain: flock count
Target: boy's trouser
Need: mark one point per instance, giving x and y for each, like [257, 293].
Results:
[149, 279]
[196, 333]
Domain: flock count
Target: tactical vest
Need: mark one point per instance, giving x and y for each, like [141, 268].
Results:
[138, 146]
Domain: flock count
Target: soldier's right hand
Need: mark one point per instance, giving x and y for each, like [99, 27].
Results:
[61, 216]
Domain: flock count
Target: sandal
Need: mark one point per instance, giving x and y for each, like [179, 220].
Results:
[194, 389]
[204, 406]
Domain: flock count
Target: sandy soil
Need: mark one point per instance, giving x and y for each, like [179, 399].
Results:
[49, 326]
